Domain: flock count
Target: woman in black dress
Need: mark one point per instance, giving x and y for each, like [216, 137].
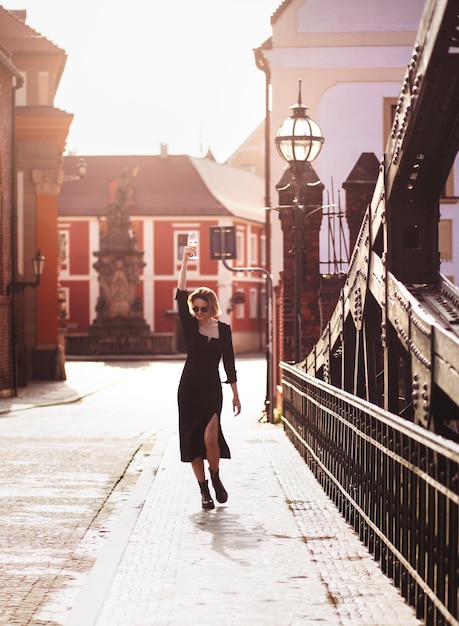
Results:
[200, 390]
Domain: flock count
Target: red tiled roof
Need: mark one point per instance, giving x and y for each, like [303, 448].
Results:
[40, 110]
[240, 191]
[9, 67]
[365, 170]
[18, 37]
[170, 185]
[278, 12]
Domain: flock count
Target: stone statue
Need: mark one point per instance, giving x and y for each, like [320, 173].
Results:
[119, 262]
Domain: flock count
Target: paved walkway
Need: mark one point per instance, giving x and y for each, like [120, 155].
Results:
[278, 552]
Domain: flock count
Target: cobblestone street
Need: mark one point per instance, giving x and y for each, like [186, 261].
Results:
[67, 471]
[101, 524]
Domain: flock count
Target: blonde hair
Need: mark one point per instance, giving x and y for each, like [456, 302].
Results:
[204, 293]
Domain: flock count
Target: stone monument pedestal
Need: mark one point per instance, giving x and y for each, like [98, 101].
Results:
[119, 327]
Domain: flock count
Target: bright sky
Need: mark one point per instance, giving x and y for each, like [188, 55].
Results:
[143, 72]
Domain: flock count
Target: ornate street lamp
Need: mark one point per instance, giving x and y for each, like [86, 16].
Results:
[82, 169]
[38, 264]
[299, 141]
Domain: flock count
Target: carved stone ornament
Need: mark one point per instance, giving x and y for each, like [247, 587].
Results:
[47, 182]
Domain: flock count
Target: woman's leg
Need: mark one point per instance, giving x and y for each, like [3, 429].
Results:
[213, 456]
[198, 468]
[211, 443]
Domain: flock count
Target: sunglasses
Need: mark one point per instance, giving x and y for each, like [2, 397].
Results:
[203, 309]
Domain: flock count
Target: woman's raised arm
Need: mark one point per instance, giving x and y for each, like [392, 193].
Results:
[187, 252]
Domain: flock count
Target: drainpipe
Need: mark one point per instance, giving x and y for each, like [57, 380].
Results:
[18, 82]
[262, 64]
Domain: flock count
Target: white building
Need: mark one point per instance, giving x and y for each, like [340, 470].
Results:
[351, 58]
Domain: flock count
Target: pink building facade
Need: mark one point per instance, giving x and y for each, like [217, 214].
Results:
[172, 195]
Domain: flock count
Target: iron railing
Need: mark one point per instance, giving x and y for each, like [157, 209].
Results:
[393, 481]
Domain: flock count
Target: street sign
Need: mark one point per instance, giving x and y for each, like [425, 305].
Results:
[222, 242]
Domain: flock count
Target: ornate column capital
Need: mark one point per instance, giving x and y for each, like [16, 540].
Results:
[47, 181]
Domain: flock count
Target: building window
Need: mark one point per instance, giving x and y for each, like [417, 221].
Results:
[263, 250]
[43, 88]
[263, 304]
[389, 107]
[445, 239]
[253, 304]
[63, 300]
[447, 194]
[21, 94]
[239, 310]
[180, 243]
[240, 249]
[63, 240]
[253, 261]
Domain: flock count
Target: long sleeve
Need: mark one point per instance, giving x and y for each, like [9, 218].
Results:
[228, 355]
[185, 316]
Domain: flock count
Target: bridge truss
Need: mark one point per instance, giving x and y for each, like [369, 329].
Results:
[393, 338]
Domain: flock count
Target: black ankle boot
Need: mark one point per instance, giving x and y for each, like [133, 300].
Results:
[206, 498]
[220, 492]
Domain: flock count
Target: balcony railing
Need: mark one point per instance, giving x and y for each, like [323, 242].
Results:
[394, 482]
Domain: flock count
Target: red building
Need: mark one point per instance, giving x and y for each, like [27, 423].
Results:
[172, 195]
[10, 79]
[30, 170]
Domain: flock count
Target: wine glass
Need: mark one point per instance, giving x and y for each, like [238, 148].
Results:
[193, 242]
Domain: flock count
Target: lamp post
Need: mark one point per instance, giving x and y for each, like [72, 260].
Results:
[299, 140]
[223, 247]
[38, 264]
[82, 169]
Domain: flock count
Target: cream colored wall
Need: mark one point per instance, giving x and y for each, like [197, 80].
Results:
[346, 75]
[250, 155]
[247, 342]
[348, 62]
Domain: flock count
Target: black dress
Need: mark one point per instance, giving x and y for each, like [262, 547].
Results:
[200, 389]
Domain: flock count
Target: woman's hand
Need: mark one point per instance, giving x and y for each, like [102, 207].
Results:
[188, 251]
[236, 405]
